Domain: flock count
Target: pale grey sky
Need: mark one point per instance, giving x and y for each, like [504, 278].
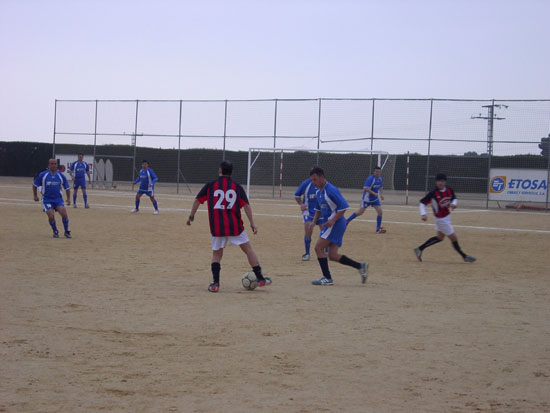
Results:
[169, 49]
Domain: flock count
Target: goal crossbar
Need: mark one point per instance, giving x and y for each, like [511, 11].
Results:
[274, 151]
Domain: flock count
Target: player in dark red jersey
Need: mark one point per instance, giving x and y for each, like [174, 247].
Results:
[443, 200]
[225, 199]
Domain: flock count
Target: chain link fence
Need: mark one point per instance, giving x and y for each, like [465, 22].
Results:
[186, 139]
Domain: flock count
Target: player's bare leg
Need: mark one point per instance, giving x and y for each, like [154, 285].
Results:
[85, 196]
[308, 231]
[379, 228]
[255, 264]
[465, 257]
[431, 241]
[356, 214]
[217, 256]
[155, 205]
[65, 219]
[138, 198]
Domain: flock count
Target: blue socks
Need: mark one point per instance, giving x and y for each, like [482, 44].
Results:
[85, 196]
[155, 205]
[74, 198]
[53, 225]
[351, 217]
[137, 203]
[307, 242]
[378, 222]
[65, 223]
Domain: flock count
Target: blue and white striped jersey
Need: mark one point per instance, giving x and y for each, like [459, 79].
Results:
[51, 184]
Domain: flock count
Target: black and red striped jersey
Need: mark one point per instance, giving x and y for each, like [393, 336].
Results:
[225, 199]
[440, 201]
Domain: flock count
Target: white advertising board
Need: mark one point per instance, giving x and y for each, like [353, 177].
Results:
[518, 185]
[66, 160]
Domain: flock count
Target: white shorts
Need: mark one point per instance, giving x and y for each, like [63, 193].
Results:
[220, 242]
[444, 225]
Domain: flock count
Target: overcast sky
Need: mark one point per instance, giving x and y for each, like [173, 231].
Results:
[130, 49]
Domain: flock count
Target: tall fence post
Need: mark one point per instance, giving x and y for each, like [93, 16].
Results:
[179, 154]
[490, 134]
[95, 146]
[224, 130]
[429, 145]
[371, 134]
[318, 131]
[135, 145]
[274, 146]
[54, 127]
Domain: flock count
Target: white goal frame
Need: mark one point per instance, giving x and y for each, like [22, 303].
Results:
[281, 151]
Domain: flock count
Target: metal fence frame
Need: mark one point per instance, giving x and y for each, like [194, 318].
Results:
[490, 141]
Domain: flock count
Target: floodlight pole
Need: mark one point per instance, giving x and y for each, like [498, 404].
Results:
[179, 153]
[371, 134]
[54, 126]
[274, 146]
[135, 145]
[318, 131]
[95, 142]
[429, 145]
[224, 130]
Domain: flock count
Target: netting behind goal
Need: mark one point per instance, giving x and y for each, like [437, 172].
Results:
[276, 173]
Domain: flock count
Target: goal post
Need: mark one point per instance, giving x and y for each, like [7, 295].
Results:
[286, 168]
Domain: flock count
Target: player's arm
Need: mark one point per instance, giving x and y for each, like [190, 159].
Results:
[35, 192]
[248, 211]
[299, 201]
[89, 177]
[194, 208]
[454, 201]
[316, 217]
[423, 202]
[154, 176]
[67, 189]
[336, 217]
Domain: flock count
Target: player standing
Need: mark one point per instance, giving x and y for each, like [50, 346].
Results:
[147, 180]
[332, 206]
[50, 182]
[305, 197]
[225, 199]
[443, 200]
[78, 171]
[372, 194]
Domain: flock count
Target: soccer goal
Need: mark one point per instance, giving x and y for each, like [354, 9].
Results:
[277, 172]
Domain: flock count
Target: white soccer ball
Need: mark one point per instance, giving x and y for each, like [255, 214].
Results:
[249, 281]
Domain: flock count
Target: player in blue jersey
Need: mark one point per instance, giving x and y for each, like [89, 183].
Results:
[78, 171]
[51, 183]
[372, 194]
[332, 206]
[147, 180]
[305, 197]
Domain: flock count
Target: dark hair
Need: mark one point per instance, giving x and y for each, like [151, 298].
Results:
[79, 153]
[440, 177]
[227, 168]
[317, 171]
[376, 167]
[146, 161]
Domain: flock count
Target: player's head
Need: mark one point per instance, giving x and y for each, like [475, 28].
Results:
[317, 176]
[144, 164]
[440, 180]
[80, 156]
[226, 168]
[52, 165]
[377, 171]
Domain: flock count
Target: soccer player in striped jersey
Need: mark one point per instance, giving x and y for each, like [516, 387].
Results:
[78, 171]
[332, 206]
[372, 194]
[147, 180]
[51, 182]
[225, 199]
[442, 200]
[305, 197]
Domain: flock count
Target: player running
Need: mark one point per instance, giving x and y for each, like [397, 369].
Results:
[147, 180]
[50, 183]
[78, 171]
[225, 199]
[305, 197]
[372, 194]
[443, 200]
[332, 206]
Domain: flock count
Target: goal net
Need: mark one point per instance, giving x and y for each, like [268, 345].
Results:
[277, 172]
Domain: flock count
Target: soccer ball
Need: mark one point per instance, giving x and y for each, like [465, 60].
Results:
[249, 281]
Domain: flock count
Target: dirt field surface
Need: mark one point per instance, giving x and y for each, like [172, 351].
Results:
[119, 317]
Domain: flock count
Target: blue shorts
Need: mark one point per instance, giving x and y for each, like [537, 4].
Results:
[52, 203]
[145, 192]
[368, 203]
[308, 217]
[80, 182]
[335, 234]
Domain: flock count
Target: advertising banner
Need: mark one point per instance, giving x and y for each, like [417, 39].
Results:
[518, 185]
